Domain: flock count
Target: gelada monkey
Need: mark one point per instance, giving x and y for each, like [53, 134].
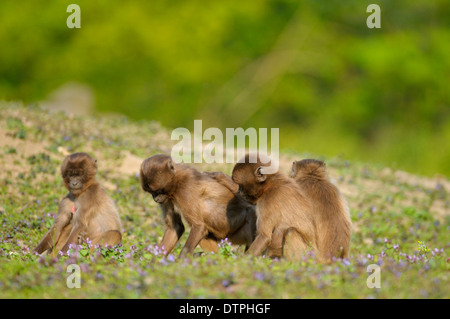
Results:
[86, 212]
[211, 209]
[282, 210]
[330, 208]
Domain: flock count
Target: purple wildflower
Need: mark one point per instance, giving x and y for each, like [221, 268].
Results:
[259, 275]
[224, 242]
[164, 262]
[142, 273]
[88, 242]
[84, 268]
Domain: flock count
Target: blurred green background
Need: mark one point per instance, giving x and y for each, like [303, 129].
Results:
[312, 68]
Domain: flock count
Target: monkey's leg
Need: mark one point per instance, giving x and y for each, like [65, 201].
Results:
[243, 236]
[53, 236]
[198, 232]
[62, 238]
[73, 237]
[294, 246]
[46, 242]
[258, 246]
[239, 237]
[209, 244]
[110, 238]
[276, 245]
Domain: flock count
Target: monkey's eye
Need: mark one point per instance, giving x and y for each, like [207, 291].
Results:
[159, 192]
[75, 173]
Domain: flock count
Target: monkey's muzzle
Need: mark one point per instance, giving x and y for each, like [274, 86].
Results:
[160, 198]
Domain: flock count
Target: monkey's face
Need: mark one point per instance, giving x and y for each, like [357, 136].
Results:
[78, 172]
[159, 195]
[250, 180]
[308, 167]
[156, 176]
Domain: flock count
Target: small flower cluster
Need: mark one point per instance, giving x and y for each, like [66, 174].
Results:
[224, 243]
[422, 252]
[422, 248]
[225, 247]
[155, 250]
[169, 259]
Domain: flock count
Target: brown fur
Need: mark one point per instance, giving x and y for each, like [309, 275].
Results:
[330, 208]
[225, 180]
[212, 211]
[96, 215]
[283, 243]
[282, 210]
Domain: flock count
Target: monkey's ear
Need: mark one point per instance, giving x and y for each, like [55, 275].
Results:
[260, 177]
[171, 167]
[294, 167]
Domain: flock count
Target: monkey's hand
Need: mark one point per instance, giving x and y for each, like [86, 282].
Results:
[225, 180]
[215, 175]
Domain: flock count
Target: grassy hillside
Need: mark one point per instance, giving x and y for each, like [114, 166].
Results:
[392, 211]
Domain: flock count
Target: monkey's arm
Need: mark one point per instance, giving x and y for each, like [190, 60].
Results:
[225, 180]
[80, 221]
[209, 244]
[62, 219]
[263, 238]
[73, 237]
[259, 245]
[197, 233]
[174, 227]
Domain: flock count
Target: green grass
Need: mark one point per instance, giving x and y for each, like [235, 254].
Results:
[401, 222]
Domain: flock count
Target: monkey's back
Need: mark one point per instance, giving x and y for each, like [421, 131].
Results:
[331, 214]
[286, 207]
[213, 204]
